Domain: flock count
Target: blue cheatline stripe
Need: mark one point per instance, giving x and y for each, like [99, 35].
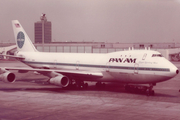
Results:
[101, 66]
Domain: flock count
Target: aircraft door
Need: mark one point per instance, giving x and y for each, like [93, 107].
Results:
[55, 63]
[144, 56]
[136, 68]
[77, 65]
[107, 66]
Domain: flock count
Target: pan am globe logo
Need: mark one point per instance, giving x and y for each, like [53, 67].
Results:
[20, 39]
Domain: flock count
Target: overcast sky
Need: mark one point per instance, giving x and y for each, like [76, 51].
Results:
[124, 21]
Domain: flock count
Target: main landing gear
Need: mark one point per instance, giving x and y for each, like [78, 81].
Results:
[81, 85]
[77, 85]
[100, 85]
[141, 89]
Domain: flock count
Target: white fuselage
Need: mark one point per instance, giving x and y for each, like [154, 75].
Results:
[136, 66]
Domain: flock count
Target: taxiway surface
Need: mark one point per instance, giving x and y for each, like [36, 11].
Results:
[30, 97]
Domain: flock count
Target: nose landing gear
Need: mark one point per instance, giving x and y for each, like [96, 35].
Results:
[141, 89]
[150, 90]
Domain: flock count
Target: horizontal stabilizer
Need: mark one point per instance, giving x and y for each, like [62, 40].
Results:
[12, 56]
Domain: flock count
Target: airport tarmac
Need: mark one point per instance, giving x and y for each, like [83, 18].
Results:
[31, 98]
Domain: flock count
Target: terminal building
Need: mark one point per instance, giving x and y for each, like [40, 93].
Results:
[42, 30]
[170, 51]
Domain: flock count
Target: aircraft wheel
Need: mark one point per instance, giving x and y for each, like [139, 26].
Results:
[97, 84]
[86, 85]
[147, 92]
[127, 88]
[100, 85]
[103, 85]
[150, 92]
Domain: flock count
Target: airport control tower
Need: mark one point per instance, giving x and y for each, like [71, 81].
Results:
[42, 30]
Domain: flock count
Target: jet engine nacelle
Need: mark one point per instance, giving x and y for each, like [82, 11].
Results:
[60, 80]
[7, 77]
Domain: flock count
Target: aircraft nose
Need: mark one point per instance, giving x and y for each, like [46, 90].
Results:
[174, 70]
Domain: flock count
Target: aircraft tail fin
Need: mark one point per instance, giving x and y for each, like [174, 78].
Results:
[22, 40]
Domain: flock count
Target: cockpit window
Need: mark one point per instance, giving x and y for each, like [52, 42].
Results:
[156, 55]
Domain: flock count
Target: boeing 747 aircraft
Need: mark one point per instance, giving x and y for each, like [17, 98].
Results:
[64, 69]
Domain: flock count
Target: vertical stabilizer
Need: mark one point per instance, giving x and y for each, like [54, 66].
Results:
[22, 40]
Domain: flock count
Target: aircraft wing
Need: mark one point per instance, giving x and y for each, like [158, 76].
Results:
[73, 73]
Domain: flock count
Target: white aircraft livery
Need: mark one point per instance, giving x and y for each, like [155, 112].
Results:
[130, 67]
